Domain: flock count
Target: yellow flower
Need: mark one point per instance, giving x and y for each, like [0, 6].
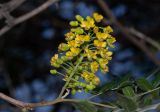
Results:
[94, 66]
[99, 44]
[103, 62]
[87, 76]
[87, 24]
[73, 43]
[90, 54]
[96, 80]
[86, 38]
[97, 17]
[54, 59]
[108, 29]
[95, 29]
[105, 54]
[101, 36]
[75, 51]
[79, 39]
[111, 41]
[69, 55]
[69, 36]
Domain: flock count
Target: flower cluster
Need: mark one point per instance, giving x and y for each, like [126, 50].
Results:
[85, 52]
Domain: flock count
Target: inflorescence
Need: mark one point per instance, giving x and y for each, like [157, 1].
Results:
[85, 51]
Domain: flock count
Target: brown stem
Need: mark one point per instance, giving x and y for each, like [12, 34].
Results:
[30, 106]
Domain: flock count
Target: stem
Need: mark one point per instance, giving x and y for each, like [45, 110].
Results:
[67, 65]
[67, 82]
[64, 67]
[147, 92]
[30, 106]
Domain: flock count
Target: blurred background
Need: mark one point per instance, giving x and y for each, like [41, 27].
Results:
[26, 49]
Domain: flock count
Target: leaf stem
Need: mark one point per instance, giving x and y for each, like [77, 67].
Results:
[67, 82]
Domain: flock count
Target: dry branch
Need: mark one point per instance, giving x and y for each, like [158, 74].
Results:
[126, 32]
[27, 16]
[30, 106]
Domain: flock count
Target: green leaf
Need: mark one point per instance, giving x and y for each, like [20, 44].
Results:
[144, 84]
[85, 106]
[128, 104]
[108, 86]
[147, 100]
[156, 81]
[128, 91]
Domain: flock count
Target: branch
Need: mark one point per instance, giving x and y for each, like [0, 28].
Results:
[147, 108]
[10, 6]
[30, 106]
[126, 32]
[144, 37]
[27, 16]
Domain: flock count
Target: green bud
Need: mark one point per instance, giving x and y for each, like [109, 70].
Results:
[110, 42]
[79, 18]
[73, 91]
[79, 30]
[74, 23]
[79, 90]
[76, 84]
[53, 71]
[64, 58]
[82, 84]
[59, 61]
[63, 47]
[76, 77]
[90, 87]
[80, 68]
[56, 65]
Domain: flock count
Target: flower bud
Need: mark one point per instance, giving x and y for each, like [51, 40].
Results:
[74, 23]
[73, 91]
[90, 87]
[53, 71]
[63, 47]
[79, 31]
[79, 18]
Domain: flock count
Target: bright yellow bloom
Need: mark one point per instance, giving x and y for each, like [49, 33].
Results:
[108, 29]
[103, 62]
[86, 38]
[97, 17]
[94, 66]
[105, 54]
[73, 43]
[54, 59]
[99, 44]
[69, 55]
[88, 76]
[101, 36]
[95, 29]
[75, 51]
[69, 36]
[79, 39]
[87, 24]
[90, 54]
